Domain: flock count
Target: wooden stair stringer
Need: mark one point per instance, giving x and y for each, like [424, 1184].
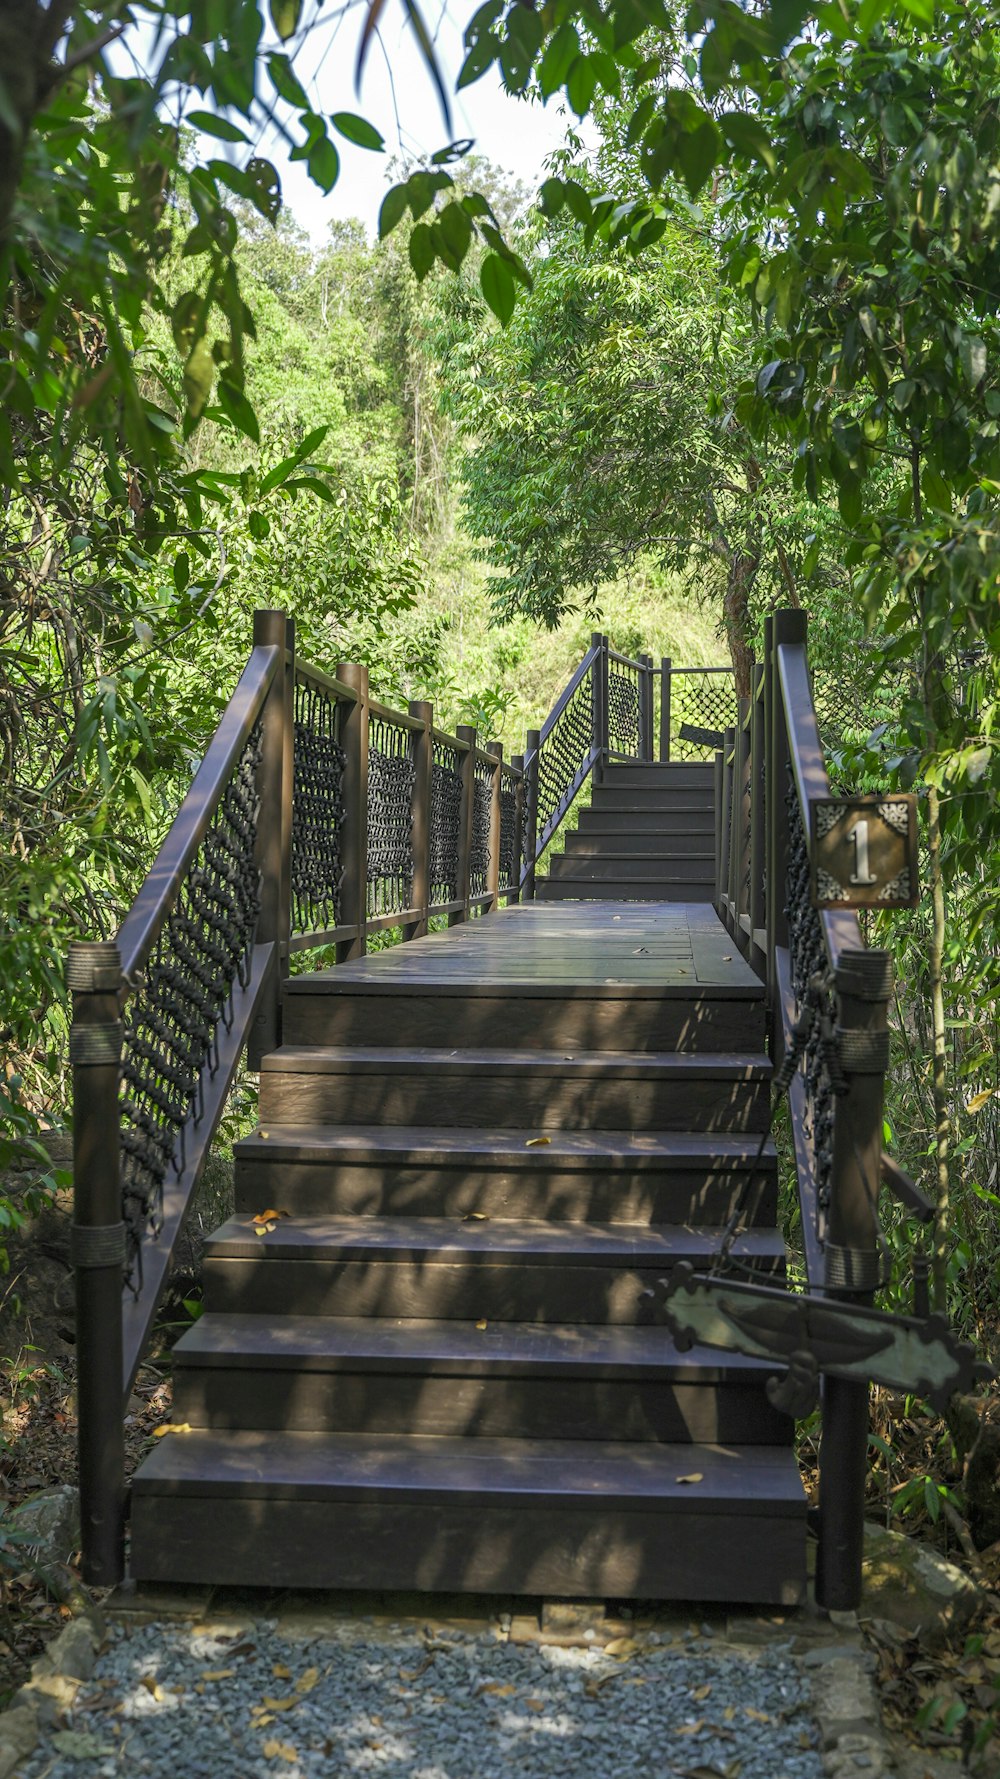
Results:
[436, 1368]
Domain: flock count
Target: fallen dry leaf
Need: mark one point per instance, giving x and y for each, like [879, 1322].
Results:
[702, 1692]
[280, 1704]
[621, 1646]
[535, 1704]
[690, 1729]
[537, 1142]
[218, 1673]
[476, 1217]
[498, 1691]
[307, 1681]
[281, 1672]
[166, 1427]
[155, 1691]
[274, 1750]
[482, 1323]
[755, 1716]
[696, 1476]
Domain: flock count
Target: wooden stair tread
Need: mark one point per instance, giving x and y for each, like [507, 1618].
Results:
[432, 1145]
[490, 1242]
[399, 1468]
[456, 1349]
[377, 1059]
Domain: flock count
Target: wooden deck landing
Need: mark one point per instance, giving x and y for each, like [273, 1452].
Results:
[644, 947]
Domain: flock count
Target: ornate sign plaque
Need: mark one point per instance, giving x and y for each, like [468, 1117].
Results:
[864, 852]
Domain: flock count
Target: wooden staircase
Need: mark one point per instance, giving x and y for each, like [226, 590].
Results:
[437, 1368]
[649, 835]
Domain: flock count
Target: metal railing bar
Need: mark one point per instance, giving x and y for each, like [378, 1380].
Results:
[841, 929]
[312, 941]
[566, 694]
[143, 922]
[314, 676]
[399, 719]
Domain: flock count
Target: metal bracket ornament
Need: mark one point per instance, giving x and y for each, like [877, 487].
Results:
[863, 852]
[811, 1335]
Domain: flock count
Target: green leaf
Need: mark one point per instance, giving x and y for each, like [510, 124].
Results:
[749, 138]
[324, 164]
[421, 249]
[394, 208]
[551, 197]
[210, 125]
[266, 187]
[358, 130]
[560, 53]
[497, 284]
[286, 82]
[581, 84]
[455, 226]
[238, 409]
[921, 9]
[285, 17]
[199, 377]
[305, 450]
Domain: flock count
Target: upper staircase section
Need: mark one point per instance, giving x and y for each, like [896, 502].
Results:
[649, 835]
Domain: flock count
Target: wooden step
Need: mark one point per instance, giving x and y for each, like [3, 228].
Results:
[538, 1090]
[657, 824]
[559, 1518]
[432, 1267]
[661, 775]
[508, 1380]
[621, 889]
[576, 1176]
[635, 843]
[640, 800]
[635, 864]
[324, 1010]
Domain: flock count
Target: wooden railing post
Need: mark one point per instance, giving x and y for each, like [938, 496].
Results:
[533, 742]
[786, 627]
[517, 761]
[741, 819]
[467, 773]
[726, 848]
[646, 709]
[422, 742]
[757, 837]
[97, 1251]
[273, 850]
[496, 784]
[599, 704]
[718, 787]
[863, 981]
[666, 677]
[354, 739]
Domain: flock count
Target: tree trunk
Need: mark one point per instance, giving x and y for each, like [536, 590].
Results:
[736, 614]
[21, 24]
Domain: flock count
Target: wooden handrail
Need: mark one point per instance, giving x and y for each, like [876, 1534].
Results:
[143, 923]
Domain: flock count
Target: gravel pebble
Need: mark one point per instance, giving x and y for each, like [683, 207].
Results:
[252, 1704]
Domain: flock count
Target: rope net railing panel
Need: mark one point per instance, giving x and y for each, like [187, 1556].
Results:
[391, 775]
[446, 820]
[508, 830]
[563, 758]
[203, 950]
[479, 849]
[811, 983]
[624, 725]
[317, 867]
[702, 701]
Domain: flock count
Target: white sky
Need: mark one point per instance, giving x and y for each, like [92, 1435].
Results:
[514, 134]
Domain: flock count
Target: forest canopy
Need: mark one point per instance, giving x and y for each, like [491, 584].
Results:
[741, 351]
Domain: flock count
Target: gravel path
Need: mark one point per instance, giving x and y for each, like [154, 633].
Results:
[224, 1702]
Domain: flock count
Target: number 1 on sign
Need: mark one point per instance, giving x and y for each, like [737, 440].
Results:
[862, 875]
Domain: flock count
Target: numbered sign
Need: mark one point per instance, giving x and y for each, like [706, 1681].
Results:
[864, 852]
